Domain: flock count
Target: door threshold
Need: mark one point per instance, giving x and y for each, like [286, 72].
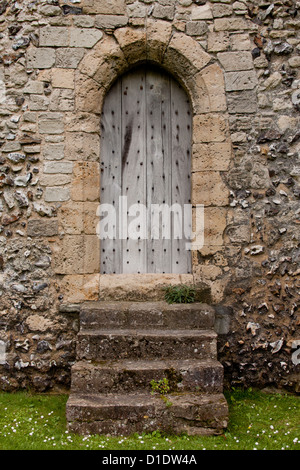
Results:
[145, 287]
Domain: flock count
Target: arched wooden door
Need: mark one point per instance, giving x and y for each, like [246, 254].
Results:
[146, 134]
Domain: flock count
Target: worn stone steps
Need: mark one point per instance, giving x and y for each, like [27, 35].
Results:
[123, 346]
[183, 375]
[124, 414]
[145, 315]
[153, 344]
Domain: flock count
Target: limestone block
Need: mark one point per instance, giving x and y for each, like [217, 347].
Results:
[69, 57]
[71, 218]
[86, 182]
[138, 287]
[202, 12]
[54, 180]
[91, 254]
[105, 7]
[209, 189]
[210, 128]
[32, 148]
[214, 227]
[110, 21]
[44, 75]
[219, 11]
[82, 122]
[34, 87]
[185, 56]
[28, 127]
[67, 257]
[242, 102]
[235, 81]
[209, 93]
[233, 24]
[77, 254]
[62, 100]
[211, 157]
[53, 151]
[82, 146]
[76, 218]
[56, 194]
[196, 28]
[89, 97]
[236, 61]
[84, 21]
[164, 12]
[90, 218]
[62, 78]
[240, 42]
[84, 37]
[158, 37]
[132, 43]
[105, 62]
[137, 10]
[12, 146]
[51, 123]
[40, 58]
[217, 42]
[58, 167]
[54, 36]
[80, 288]
[42, 228]
[38, 103]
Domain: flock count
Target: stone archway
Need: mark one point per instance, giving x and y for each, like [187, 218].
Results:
[184, 58]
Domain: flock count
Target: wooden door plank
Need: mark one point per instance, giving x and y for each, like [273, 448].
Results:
[158, 168]
[181, 174]
[111, 177]
[134, 168]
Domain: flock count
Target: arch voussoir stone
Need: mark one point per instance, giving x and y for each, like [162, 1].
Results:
[133, 43]
[185, 56]
[105, 62]
[159, 34]
[208, 90]
[89, 96]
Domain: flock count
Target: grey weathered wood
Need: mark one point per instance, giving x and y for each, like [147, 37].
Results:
[181, 174]
[159, 154]
[134, 165]
[146, 156]
[111, 184]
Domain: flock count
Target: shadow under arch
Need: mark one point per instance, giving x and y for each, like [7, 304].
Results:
[176, 53]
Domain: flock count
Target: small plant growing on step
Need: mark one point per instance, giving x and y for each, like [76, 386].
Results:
[180, 294]
[162, 387]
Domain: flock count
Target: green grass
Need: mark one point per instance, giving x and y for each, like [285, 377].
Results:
[257, 421]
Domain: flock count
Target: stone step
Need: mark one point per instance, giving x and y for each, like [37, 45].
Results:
[100, 315]
[125, 414]
[132, 376]
[99, 345]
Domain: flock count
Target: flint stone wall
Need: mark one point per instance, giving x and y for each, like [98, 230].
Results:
[240, 63]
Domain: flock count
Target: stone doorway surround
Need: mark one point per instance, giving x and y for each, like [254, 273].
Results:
[78, 255]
